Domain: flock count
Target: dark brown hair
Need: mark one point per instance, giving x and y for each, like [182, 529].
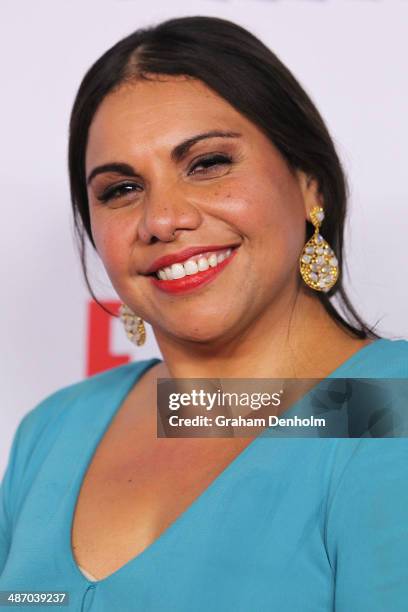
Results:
[241, 69]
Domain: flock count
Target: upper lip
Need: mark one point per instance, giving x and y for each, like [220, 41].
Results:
[167, 260]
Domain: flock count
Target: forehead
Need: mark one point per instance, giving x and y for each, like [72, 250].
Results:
[157, 113]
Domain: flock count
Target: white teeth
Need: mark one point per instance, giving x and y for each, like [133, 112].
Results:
[212, 260]
[203, 264]
[177, 271]
[191, 267]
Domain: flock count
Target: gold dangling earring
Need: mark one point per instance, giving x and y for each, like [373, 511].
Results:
[134, 326]
[318, 263]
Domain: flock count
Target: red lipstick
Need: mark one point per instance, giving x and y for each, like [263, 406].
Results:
[168, 260]
[190, 282]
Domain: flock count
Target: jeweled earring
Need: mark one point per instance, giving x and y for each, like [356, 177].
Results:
[134, 326]
[318, 263]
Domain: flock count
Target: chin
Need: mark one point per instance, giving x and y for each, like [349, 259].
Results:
[207, 332]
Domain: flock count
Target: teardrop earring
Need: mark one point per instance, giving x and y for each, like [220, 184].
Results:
[134, 326]
[318, 263]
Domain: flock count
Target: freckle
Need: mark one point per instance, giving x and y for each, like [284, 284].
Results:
[130, 480]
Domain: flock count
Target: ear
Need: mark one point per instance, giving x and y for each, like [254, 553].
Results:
[309, 188]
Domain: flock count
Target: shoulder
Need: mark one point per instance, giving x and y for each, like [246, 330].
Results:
[397, 348]
[89, 388]
[384, 358]
[39, 429]
[58, 404]
[60, 420]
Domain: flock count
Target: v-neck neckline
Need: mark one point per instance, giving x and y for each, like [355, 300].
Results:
[115, 407]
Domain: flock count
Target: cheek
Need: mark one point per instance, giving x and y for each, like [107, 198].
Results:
[112, 242]
[264, 209]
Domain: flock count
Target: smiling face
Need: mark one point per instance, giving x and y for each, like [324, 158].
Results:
[232, 190]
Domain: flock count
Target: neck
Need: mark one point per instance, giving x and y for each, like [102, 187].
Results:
[297, 339]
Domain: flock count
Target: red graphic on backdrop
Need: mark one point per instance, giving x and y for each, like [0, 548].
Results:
[99, 335]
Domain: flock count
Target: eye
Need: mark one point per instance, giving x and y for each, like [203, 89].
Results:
[210, 162]
[117, 191]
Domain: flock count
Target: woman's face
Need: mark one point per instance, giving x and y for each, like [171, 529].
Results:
[233, 191]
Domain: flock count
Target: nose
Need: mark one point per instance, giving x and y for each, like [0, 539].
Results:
[165, 215]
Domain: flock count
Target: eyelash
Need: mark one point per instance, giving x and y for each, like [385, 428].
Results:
[212, 160]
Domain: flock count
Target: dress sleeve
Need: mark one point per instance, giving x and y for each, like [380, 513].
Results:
[367, 528]
[6, 494]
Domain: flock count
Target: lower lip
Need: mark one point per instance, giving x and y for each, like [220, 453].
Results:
[193, 281]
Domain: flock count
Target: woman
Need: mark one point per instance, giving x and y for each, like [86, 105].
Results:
[191, 142]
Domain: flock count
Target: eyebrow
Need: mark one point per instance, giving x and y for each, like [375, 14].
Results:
[177, 154]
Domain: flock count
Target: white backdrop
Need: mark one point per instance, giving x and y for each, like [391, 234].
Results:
[349, 55]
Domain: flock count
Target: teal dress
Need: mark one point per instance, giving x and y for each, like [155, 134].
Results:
[291, 525]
